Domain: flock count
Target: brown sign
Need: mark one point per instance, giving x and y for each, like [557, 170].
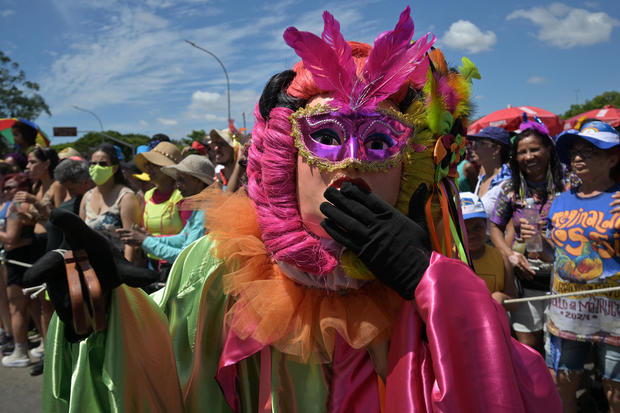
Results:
[65, 131]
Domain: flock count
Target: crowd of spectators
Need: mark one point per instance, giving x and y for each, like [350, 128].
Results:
[142, 206]
[571, 182]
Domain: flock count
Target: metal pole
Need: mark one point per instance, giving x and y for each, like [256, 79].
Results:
[95, 115]
[223, 67]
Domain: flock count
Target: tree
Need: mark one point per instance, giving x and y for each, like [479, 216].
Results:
[607, 98]
[195, 135]
[18, 96]
[87, 143]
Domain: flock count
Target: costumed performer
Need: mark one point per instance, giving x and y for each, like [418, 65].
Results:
[291, 303]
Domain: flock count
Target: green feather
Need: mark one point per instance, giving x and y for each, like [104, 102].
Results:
[469, 70]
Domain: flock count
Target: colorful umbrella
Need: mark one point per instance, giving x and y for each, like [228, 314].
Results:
[7, 134]
[607, 114]
[510, 119]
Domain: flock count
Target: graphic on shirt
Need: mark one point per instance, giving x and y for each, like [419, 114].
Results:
[586, 267]
[585, 244]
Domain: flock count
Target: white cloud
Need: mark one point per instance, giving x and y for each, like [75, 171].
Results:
[143, 123]
[7, 13]
[463, 34]
[167, 122]
[536, 80]
[565, 27]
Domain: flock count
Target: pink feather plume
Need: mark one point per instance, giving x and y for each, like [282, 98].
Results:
[392, 61]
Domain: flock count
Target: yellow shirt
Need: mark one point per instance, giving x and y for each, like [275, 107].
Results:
[490, 267]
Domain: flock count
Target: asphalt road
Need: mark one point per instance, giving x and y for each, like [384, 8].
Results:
[19, 392]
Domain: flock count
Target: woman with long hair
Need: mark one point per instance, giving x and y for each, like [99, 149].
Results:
[110, 204]
[45, 195]
[536, 173]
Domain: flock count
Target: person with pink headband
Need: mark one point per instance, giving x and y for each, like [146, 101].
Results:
[323, 287]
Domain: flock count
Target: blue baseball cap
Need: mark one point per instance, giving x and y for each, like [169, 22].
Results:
[493, 133]
[471, 206]
[600, 134]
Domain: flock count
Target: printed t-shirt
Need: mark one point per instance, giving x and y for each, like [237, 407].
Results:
[587, 256]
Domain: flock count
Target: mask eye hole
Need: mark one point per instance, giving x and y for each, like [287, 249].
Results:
[378, 141]
[326, 136]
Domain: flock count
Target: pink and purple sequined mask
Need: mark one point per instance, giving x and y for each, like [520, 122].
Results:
[366, 140]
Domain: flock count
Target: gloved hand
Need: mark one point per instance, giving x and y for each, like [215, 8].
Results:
[396, 248]
[111, 268]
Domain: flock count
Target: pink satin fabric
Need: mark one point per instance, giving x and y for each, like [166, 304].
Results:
[470, 363]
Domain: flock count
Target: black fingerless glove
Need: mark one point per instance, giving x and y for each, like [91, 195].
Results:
[395, 247]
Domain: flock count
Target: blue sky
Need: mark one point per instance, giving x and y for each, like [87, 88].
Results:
[127, 61]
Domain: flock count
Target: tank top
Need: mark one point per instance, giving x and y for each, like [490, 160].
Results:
[109, 220]
[490, 267]
[162, 219]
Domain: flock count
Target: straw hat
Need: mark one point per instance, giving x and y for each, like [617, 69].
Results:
[223, 134]
[68, 152]
[195, 165]
[164, 154]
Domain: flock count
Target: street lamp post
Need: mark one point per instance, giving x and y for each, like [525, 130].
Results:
[96, 117]
[223, 68]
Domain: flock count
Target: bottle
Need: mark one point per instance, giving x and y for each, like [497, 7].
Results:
[530, 213]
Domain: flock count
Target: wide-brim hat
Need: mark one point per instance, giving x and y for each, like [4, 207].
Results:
[164, 154]
[600, 134]
[68, 152]
[223, 134]
[493, 133]
[197, 166]
[471, 206]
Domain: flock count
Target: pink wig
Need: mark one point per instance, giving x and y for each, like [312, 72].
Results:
[272, 163]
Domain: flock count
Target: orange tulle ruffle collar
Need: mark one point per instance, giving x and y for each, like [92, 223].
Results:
[273, 309]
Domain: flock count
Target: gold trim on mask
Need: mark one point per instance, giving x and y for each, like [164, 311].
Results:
[374, 166]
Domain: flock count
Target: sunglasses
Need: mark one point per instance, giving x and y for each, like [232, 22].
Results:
[100, 163]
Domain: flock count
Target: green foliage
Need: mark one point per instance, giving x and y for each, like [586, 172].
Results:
[195, 135]
[18, 96]
[87, 143]
[607, 98]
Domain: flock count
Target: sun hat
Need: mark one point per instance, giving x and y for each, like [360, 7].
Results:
[600, 134]
[493, 133]
[164, 154]
[471, 206]
[68, 152]
[223, 134]
[197, 166]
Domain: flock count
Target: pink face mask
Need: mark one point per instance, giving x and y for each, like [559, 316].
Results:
[366, 140]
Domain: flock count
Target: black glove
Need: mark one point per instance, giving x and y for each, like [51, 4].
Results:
[394, 247]
[111, 268]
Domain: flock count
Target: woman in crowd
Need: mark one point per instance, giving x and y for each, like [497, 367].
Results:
[161, 216]
[110, 204]
[17, 240]
[536, 173]
[585, 234]
[46, 194]
[24, 136]
[492, 147]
